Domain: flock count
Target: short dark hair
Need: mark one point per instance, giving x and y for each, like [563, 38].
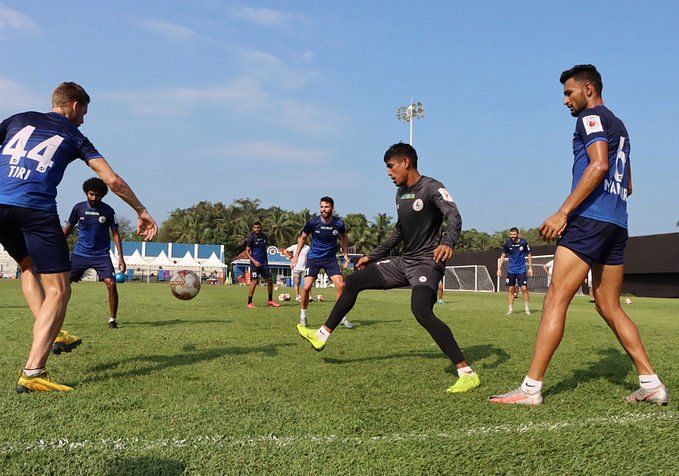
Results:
[513, 229]
[584, 72]
[69, 92]
[329, 200]
[401, 150]
[96, 185]
[256, 223]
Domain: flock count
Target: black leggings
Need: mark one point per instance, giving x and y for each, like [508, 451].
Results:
[421, 303]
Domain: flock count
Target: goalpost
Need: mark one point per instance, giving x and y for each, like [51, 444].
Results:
[471, 277]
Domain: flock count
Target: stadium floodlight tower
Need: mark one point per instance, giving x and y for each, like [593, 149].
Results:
[408, 113]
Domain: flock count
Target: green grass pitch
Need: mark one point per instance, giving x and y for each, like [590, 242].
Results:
[210, 387]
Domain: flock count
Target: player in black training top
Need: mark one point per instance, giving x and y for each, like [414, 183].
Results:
[423, 203]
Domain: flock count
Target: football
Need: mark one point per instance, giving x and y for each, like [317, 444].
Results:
[320, 298]
[184, 284]
[121, 277]
[283, 297]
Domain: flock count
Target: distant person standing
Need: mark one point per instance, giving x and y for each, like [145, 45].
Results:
[517, 249]
[256, 246]
[95, 220]
[298, 269]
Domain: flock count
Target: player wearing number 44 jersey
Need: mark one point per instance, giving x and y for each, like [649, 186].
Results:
[423, 203]
[591, 227]
[36, 149]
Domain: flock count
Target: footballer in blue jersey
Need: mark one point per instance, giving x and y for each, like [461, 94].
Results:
[325, 231]
[591, 228]
[96, 223]
[516, 249]
[256, 249]
[35, 149]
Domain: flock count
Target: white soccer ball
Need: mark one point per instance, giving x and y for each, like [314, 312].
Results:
[283, 297]
[628, 301]
[184, 284]
[320, 298]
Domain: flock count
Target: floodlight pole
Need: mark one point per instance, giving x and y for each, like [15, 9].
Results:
[408, 113]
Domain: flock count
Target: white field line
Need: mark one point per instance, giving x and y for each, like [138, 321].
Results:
[221, 441]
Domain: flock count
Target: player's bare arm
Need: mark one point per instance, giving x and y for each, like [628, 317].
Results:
[68, 229]
[146, 225]
[591, 178]
[499, 264]
[300, 244]
[345, 250]
[119, 247]
[248, 253]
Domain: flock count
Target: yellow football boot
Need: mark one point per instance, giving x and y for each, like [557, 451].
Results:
[40, 383]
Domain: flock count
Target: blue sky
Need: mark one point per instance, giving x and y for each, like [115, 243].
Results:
[288, 101]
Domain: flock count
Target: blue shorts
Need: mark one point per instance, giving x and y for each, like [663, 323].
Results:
[595, 241]
[101, 264]
[261, 272]
[517, 279]
[313, 266]
[35, 233]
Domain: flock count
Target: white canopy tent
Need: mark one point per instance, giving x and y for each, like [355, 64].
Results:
[214, 263]
[188, 262]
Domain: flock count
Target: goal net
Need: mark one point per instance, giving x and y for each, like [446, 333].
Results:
[467, 278]
[537, 283]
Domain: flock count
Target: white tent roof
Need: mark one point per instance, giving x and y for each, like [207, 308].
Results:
[135, 259]
[213, 262]
[162, 260]
[188, 261]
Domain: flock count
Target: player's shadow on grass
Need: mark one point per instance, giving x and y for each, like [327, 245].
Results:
[613, 366]
[174, 322]
[146, 465]
[373, 322]
[155, 363]
[475, 354]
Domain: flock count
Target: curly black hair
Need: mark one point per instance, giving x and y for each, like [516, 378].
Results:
[96, 185]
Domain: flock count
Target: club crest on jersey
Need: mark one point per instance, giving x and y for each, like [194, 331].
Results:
[592, 124]
[520, 248]
[335, 232]
[446, 195]
[418, 205]
[102, 220]
[423, 279]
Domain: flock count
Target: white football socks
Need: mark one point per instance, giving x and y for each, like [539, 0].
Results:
[33, 372]
[323, 334]
[465, 371]
[649, 381]
[531, 386]
[302, 314]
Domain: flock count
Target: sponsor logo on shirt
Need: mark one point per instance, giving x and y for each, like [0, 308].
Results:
[592, 124]
[92, 212]
[418, 205]
[407, 196]
[446, 195]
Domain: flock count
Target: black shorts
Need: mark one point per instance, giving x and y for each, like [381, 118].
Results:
[101, 264]
[517, 279]
[35, 233]
[261, 272]
[398, 272]
[314, 266]
[595, 241]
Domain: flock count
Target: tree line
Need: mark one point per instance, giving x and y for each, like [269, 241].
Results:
[217, 223]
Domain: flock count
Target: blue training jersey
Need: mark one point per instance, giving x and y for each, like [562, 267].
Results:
[517, 253]
[36, 148]
[608, 201]
[93, 225]
[258, 245]
[324, 237]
